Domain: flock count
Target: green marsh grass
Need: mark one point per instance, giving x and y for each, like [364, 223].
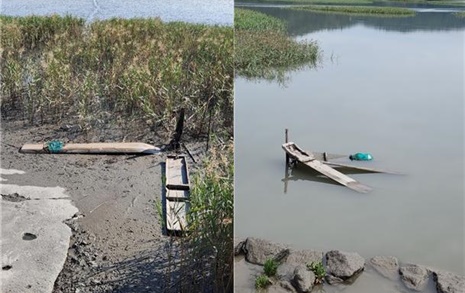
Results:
[261, 282]
[360, 10]
[210, 221]
[116, 71]
[263, 49]
[270, 267]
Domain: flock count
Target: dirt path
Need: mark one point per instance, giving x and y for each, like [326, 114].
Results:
[117, 243]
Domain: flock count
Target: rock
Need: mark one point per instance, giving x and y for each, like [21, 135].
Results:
[296, 258]
[344, 265]
[259, 250]
[414, 276]
[238, 246]
[303, 279]
[449, 283]
[330, 279]
[287, 286]
[281, 287]
[387, 266]
[304, 257]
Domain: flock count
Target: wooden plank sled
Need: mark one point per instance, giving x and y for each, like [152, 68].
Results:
[309, 159]
[94, 148]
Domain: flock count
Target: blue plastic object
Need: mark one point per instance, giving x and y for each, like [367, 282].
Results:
[55, 146]
[361, 157]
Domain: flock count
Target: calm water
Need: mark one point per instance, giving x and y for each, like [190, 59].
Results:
[196, 11]
[391, 87]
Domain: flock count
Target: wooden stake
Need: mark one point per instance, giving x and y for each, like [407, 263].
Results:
[286, 141]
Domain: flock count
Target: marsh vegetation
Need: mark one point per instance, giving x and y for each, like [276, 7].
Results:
[361, 10]
[263, 49]
[118, 71]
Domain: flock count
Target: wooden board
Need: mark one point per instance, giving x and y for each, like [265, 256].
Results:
[177, 193]
[308, 159]
[176, 215]
[95, 148]
[360, 168]
[176, 171]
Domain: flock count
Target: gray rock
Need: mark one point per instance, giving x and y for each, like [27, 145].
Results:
[387, 266]
[330, 279]
[414, 276]
[304, 279]
[344, 265]
[304, 257]
[296, 258]
[287, 286]
[281, 287]
[449, 283]
[259, 250]
[238, 246]
[285, 271]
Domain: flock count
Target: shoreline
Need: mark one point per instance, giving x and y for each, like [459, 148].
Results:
[387, 270]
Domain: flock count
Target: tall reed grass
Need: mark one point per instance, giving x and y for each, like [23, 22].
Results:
[202, 261]
[263, 49]
[116, 71]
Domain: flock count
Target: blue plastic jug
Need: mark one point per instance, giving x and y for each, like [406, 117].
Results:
[361, 157]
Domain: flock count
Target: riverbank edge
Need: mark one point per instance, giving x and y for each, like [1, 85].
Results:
[414, 276]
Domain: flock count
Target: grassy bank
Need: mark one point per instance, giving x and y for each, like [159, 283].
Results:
[353, 2]
[116, 71]
[263, 49]
[460, 14]
[360, 10]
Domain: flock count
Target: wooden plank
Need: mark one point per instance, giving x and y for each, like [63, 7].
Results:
[176, 194]
[95, 148]
[338, 176]
[176, 171]
[361, 168]
[176, 215]
[309, 159]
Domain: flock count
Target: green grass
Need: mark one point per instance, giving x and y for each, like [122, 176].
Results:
[360, 10]
[210, 219]
[116, 71]
[261, 282]
[251, 20]
[270, 267]
[460, 14]
[264, 50]
[319, 270]
[322, 1]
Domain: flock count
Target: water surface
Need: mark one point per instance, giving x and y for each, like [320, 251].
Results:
[393, 87]
[196, 11]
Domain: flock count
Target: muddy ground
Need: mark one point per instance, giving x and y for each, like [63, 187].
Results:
[117, 243]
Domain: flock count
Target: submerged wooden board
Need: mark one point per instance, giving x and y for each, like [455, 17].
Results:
[374, 170]
[95, 148]
[308, 159]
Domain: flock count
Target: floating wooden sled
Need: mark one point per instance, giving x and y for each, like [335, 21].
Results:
[94, 148]
[318, 162]
[177, 194]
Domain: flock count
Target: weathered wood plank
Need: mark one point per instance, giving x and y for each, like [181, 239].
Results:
[374, 170]
[94, 148]
[176, 215]
[176, 171]
[177, 194]
[309, 159]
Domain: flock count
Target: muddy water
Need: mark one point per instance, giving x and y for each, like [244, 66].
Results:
[391, 87]
[196, 11]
